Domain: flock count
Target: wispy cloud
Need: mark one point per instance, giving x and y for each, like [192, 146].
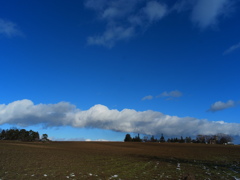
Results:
[111, 35]
[219, 105]
[170, 95]
[205, 13]
[25, 113]
[232, 48]
[124, 19]
[9, 29]
[155, 10]
[149, 97]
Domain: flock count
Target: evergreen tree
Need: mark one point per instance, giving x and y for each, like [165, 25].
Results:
[137, 139]
[153, 139]
[162, 139]
[128, 138]
[3, 134]
[181, 140]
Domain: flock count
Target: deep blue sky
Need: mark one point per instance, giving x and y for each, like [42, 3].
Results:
[179, 59]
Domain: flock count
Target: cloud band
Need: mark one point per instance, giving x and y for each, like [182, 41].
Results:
[25, 113]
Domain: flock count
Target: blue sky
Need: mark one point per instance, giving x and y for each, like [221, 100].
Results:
[94, 70]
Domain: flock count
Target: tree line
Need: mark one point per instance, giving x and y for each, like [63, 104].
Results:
[207, 139]
[21, 135]
[137, 138]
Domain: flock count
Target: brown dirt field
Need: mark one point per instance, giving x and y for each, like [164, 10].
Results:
[117, 160]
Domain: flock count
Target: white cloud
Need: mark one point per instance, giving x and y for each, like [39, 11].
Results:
[149, 97]
[232, 48]
[219, 105]
[66, 139]
[101, 140]
[9, 28]
[76, 139]
[25, 113]
[171, 94]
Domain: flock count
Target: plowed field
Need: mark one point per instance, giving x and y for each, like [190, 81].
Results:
[117, 160]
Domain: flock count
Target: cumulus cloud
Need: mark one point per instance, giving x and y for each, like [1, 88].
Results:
[232, 48]
[149, 97]
[219, 105]
[8, 28]
[25, 113]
